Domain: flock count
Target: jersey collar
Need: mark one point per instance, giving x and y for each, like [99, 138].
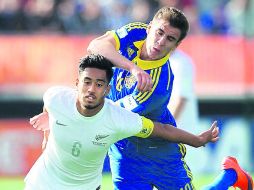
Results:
[145, 64]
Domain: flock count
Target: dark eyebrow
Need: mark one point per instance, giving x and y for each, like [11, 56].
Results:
[100, 80]
[87, 78]
[97, 80]
[168, 37]
[161, 30]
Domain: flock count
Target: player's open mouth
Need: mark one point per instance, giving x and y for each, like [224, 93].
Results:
[156, 49]
[91, 98]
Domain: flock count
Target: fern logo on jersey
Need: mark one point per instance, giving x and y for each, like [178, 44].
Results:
[98, 139]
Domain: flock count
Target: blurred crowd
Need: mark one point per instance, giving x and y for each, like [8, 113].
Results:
[233, 17]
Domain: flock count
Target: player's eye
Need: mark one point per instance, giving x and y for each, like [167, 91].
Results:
[86, 82]
[99, 84]
[160, 32]
[171, 39]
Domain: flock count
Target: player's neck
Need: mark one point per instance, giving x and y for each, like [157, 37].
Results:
[88, 111]
[143, 53]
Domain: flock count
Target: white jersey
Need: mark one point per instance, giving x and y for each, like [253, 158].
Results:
[184, 73]
[183, 87]
[77, 145]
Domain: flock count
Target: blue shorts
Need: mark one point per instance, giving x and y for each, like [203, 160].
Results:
[144, 165]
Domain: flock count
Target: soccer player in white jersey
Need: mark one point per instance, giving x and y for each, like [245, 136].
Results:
[83, 125]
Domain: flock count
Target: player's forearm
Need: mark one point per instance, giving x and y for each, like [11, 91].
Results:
[107, 49]
[174, 134]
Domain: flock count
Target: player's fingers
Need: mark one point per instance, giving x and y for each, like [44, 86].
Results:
[35, 126]
[150, 83]
[33, 120]
[147, 83]
[140, 83]
[214, 125]
[38, 126]
[215, 132]
[215, 139]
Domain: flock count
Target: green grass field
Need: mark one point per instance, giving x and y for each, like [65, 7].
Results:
[18, 184]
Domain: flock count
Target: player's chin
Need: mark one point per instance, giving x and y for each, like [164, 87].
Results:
[156, 56]
[92, 105]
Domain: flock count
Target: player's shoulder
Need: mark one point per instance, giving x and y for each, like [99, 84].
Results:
[135, 31]
[135, 25]
[58, 94]
[55, 90]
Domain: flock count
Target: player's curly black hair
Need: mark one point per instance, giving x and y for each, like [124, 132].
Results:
[96, 61]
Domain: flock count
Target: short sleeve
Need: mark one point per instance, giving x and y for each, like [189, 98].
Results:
[147, 128]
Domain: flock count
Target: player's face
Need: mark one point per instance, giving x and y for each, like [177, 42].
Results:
[161, 39]
[92, 87]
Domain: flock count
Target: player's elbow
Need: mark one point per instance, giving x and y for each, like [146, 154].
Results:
[91, 47]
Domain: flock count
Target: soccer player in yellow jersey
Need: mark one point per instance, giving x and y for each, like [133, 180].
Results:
[134, 48]
[147, 47]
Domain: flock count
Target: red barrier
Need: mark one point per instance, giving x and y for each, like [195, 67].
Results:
[20, 146]
[223, 64]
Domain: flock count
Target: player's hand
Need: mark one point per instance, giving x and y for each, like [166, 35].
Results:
[211, 135]
[144, 80]
[40, 121]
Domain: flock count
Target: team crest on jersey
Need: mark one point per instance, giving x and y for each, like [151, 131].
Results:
[129, 81]
[130, 52]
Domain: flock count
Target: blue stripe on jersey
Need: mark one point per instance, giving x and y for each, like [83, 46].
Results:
[155, 74]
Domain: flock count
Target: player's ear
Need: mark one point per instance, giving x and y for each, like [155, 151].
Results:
[77, 81]
[177, 44]
[148, 27]
[107, 90]
[173, 48]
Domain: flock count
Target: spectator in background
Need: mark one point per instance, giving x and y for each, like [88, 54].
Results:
[40, 16]
[68, 18]
[116, 13]
[11, 16]
[183, 102]
[140, 11]
[92, 18]
[211, 16]
[190, 9]
[235, 12]
[249, 15]
[85, 17]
